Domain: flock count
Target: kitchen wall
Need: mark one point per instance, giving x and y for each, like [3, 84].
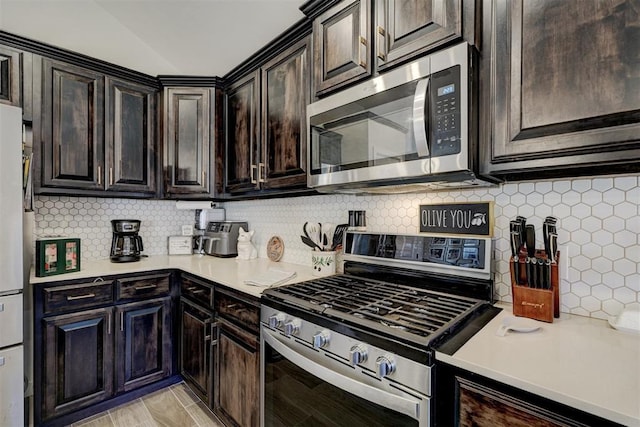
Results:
[89, 218]
[599, 228]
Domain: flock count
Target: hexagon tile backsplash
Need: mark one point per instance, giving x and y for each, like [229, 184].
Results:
[598, 227]
[89, 218]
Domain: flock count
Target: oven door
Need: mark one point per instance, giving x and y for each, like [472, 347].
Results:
[304, 386]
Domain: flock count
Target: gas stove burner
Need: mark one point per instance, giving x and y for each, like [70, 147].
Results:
[393, 326]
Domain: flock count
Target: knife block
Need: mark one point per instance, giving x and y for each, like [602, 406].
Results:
[539, 304]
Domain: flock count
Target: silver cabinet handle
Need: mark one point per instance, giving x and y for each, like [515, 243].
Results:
[98, 279]
[109, 325]
[262, 173]
[253, 168]
[85, 296]
[99, 175]
[110, 176]
[382, 53]
[363, 42]
[122, 321]
[142, 288]
[1, 307]
[1, 360]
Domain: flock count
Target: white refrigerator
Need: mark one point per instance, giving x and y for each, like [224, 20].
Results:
[11, 272]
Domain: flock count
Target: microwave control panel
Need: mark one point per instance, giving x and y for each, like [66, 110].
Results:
[445, 112]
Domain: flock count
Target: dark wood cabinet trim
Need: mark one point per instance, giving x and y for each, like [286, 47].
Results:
[78, 59]
[290, 36]
[314, 8]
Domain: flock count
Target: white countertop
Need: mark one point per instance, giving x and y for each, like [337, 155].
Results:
[579, 361]
[230, 272]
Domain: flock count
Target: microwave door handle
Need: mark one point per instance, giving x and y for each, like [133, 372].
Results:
[419, 113]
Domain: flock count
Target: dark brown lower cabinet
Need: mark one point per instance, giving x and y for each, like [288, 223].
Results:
[78, 360]
[237, 391]
[466, 399]
[99, 342]
[196, 362]
[143, 343]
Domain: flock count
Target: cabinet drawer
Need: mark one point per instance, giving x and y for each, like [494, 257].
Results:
[81, 295]
[238, 310]
[143, 286]
[197, 291]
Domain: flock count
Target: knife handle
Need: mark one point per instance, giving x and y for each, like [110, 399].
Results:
[530, 235]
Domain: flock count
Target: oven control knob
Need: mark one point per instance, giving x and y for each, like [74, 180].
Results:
[292, 327]
[358, 354]
[385, 366]
[321, 339]
[276, 320]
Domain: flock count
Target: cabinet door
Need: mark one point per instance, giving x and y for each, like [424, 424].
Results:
[72, 127]
[285, 89]
[242, 122]
[10, 76]
[195, 349]
[406, 28]
[341, 49]
[480, 406]
[130, 137]
[238, 371]
[187, 140]
[78, 361]
[565, 93]
[143, 343]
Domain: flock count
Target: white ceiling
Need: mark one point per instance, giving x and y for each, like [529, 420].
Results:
[184, 37]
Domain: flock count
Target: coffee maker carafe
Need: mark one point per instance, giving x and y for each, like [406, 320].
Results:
[126, 244]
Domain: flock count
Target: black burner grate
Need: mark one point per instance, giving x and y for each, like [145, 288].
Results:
[388, 306]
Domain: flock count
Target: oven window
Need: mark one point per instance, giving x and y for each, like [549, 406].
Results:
[293, 397]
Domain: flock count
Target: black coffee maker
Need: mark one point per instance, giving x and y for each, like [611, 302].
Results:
[126, 244]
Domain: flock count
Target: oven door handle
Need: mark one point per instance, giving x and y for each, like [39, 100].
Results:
[404, 405]
[419, 115]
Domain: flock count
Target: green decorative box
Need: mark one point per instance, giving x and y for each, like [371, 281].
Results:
[57, 255]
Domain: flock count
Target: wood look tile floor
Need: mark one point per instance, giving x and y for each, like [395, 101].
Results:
[174, 406]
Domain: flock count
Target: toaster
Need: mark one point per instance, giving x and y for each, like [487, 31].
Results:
[221, 238]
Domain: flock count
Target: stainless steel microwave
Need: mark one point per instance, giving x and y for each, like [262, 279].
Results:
[410, 129]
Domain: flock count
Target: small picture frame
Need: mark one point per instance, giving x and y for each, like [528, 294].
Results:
[57, 255]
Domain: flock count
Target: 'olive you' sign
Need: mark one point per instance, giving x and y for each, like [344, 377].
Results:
[458, 218]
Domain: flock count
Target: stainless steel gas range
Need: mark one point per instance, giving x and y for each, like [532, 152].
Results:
[357, 349]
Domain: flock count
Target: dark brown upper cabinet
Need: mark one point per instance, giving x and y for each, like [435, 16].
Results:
[563, 89]
[408, 28]
[285, 95]
[72, 127]
[242, 106]
[341, 48]
[349, 46]
[130, 137]
[187, 141]
[266, 124]
[96, 134]
[10, 74]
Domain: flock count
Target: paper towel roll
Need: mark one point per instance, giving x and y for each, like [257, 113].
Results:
[186, 204]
